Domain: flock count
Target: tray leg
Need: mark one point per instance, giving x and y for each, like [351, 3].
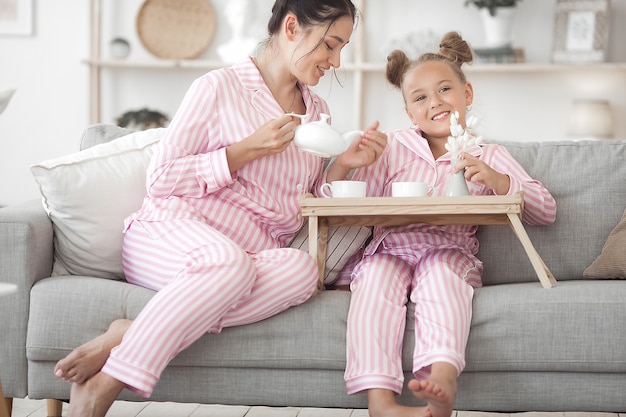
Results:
[322, 246]
[543, 273]
[314, 249]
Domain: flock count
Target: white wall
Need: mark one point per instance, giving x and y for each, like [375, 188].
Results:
[50, 108]
[522, 106]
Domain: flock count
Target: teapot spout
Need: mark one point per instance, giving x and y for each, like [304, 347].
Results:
[350, 136]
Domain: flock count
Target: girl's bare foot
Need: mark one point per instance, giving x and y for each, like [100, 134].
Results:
[94, 397]
[87, 359]
[382, 403]
[439, 391]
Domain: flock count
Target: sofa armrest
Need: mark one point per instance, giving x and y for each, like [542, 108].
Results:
[26, 247]
[26, 252]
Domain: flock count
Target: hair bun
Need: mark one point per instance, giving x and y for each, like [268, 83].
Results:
[455, 49]
[397, 65]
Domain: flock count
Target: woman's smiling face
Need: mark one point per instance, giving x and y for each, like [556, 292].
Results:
[319, 50]
[432, 92]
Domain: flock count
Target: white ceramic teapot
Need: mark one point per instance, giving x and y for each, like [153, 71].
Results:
[320, 138]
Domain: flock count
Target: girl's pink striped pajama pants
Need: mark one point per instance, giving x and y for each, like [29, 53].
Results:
[205, 282]
[441, 284]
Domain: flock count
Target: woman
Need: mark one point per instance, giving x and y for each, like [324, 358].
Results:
[222, 204]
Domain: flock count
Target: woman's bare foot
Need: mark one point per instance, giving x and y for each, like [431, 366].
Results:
[94, 397]
[439, 391]
[382, 403]
[87, 359]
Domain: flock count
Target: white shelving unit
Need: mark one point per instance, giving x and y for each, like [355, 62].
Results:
[361, 71]
[96, 63]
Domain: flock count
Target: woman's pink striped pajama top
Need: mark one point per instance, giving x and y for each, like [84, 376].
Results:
[212, 243]
[435, 266]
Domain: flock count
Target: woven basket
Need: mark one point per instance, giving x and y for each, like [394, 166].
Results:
[176, 29]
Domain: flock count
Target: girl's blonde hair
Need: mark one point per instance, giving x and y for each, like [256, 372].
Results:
[453, 50]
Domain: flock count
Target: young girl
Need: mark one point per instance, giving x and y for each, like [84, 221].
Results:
[435, 266]
[210, 236]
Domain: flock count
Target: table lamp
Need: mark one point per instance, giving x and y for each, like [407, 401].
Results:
[592, 119]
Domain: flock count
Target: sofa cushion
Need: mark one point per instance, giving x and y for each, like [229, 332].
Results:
[579, 175]
[101, 133]
[87, 195]
[281, 341]
[515, 328]
[611, 263]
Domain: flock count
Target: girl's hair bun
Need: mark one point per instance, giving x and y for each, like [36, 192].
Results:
[397, 65]
[455, 49]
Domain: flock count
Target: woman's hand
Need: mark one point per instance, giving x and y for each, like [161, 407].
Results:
[273, 137]
[270, 139]
[478, 171]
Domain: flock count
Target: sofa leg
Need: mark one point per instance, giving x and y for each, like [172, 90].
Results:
[54, 407]
[6, 405]
[9, 405]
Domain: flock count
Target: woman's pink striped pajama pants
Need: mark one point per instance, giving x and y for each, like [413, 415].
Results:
[205, 282]
[441, 284]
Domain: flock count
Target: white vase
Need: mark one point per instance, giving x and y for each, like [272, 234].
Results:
[498, 27]
[120, 48]
[456, 185]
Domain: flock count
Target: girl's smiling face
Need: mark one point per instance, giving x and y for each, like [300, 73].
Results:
[432, 92]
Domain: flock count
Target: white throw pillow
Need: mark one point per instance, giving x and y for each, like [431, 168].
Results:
[87, 195]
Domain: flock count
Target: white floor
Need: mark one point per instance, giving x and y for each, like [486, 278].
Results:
[37, 408]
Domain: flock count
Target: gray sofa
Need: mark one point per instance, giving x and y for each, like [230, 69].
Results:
[530, 348]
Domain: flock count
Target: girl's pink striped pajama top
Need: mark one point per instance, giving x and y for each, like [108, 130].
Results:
[213, 244]
[433, 266]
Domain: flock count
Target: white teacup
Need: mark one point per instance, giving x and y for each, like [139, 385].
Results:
[344, 189]
[410, 189]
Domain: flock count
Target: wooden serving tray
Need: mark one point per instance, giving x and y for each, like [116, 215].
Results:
[399, 211]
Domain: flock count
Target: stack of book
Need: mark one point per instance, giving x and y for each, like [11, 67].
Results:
[500, 55]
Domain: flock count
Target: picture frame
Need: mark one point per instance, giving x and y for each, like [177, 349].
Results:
[16, 17]
[581, 31]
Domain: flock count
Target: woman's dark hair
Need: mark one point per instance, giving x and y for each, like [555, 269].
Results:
[310, 12]
[453, 50]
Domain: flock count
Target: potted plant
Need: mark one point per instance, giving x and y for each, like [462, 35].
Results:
[492, 5]
[497, 17]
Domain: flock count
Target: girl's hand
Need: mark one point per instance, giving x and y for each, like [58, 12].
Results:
[364, 150]
[479, 172]
[270, 139]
